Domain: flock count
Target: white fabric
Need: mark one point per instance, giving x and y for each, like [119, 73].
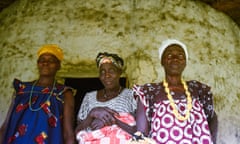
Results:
[169, 42]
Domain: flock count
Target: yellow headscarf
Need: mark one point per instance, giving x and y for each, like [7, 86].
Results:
[52, 49]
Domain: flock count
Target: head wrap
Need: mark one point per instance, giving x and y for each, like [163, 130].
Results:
[109, 58]
[169, 42]
[52, 49]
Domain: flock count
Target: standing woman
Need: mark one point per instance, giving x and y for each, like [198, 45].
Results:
[176, 111]
[105, 115]
[42, 110]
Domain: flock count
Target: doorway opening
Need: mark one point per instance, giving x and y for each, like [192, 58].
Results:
[83, 85]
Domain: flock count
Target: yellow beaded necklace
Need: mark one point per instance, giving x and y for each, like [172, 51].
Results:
[189, 101]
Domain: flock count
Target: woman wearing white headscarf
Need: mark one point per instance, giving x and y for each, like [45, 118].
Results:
[174, 110]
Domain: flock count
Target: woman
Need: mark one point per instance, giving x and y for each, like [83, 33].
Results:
[175, 110]
[42, 110]
[105, 115]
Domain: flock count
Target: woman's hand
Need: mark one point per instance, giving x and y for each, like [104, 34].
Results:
[97, 124]
[105, 114]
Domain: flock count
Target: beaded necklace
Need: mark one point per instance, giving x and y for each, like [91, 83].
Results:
[46, 102]
[189, 101]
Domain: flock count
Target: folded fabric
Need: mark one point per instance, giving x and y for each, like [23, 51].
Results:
[108, 134]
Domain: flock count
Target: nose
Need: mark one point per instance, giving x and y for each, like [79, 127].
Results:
[176, 57]
[107, 75]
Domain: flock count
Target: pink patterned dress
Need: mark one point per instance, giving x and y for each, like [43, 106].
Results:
[165, 127]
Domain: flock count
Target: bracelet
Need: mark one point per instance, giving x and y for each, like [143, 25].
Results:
[88, 128]
[139, 138]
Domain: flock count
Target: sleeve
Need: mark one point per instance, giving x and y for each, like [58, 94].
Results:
[138, 93]
[132, 101]
[61, 89]
[17, 84]
[206, 98]
[84, 109]
[67, 88]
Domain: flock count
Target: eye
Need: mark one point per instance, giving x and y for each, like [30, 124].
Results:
[181, 56]
[51, 61]
[112, 71]
[102, 72]
[169, 56]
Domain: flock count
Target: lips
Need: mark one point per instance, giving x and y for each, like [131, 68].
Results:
[108, 82]
[174, 65]
[44, 69]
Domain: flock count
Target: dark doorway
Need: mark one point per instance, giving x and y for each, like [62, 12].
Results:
[83, 85]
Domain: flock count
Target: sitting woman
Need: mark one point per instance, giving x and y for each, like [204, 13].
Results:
[105, 115]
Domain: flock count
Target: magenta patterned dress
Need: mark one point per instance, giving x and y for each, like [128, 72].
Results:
[165, 127]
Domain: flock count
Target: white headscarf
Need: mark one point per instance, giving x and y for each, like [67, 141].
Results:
[169, 42]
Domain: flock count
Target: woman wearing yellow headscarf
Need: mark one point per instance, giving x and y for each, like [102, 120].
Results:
[42, 110]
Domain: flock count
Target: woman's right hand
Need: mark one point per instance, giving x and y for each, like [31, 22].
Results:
[97, 124]
[105, 114]
[1, 134]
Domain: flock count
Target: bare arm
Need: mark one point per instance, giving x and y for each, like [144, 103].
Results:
[84, 124]
[68, 117]
[141, 119]
[130, 129]
[213, 125]
[4, 125]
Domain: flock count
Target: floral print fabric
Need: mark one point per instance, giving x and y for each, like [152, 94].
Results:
[36, 120]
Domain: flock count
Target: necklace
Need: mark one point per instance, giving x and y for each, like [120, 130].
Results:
[46, 102]
[189, 101]
[105, 93]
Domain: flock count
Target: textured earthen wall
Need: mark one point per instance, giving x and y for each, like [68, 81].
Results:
[134, 29]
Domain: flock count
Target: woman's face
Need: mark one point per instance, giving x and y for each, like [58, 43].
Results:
[48, 65]
[174, 60]
[109, 75]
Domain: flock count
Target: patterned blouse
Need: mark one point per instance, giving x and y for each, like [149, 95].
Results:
[124, 102]
[165, 127]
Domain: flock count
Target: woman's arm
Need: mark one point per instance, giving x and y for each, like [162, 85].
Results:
[213, 125]
[68, 118]
[4, 125]
[130, 129]
[141, 119]
[206, 98]
[84, 124]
